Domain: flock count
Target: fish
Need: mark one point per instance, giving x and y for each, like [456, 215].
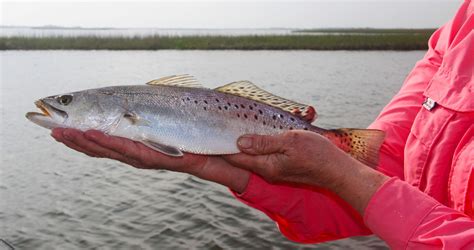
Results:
[176, 114]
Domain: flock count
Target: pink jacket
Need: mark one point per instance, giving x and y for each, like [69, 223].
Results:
[428, 152]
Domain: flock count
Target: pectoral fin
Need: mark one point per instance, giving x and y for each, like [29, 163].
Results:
[136, 120]
[165, 149]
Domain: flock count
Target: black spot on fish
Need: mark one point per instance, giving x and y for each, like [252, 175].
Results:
[205, 101]
[236, 106]
[292, 119]
[238, 115]
[256, 117]
[242, 106]
[260, 111]
[274, 126]
[264, 123]
[250, 107]
[305, 128]
[281, 127]
[255, 104]
[291, 128]
[205, 108]
[187, 98]
[219, 107]
[225, 107]
[196, 102]
[228, 104]
[274, 117]
[245, 116]
[217, 100]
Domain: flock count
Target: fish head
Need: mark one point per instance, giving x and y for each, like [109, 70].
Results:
[82, 110]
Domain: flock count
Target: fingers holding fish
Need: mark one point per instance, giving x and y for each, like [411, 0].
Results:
[58, 135]
[142, 156]
[263, 144]
[297, 157]
[124, 147]
[76, 140]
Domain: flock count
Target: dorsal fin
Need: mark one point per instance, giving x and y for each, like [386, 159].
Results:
[251, 91]
[177, 80]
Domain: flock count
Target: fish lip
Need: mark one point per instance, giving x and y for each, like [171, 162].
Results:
[49, 110]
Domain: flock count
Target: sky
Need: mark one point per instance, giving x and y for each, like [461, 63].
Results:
[231, 14]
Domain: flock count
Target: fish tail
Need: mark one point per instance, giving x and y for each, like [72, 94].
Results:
[362, 144]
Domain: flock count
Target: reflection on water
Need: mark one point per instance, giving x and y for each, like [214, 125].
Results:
[54, 198]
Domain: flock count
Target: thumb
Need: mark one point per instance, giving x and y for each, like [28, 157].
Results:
[260, 144]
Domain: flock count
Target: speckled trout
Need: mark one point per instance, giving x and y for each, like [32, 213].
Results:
[175, 114]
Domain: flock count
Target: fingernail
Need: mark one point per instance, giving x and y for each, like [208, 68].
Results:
[245, 142]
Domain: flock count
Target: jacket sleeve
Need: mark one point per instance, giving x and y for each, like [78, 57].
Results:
[406, 218]
[304, 214]
[399, 213]
[311, 215]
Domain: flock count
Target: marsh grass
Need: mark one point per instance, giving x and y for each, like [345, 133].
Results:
[352, 41]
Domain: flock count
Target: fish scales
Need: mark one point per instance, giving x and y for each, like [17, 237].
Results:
[201, 120]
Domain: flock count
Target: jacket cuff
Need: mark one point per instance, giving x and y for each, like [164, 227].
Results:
[251, 191]
[396, 210]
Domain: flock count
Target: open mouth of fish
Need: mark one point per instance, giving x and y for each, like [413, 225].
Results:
[48, 110]
[49, 117]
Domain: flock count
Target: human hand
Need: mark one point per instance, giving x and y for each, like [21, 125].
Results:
[97, 144]
[298, 157]
[302, 157]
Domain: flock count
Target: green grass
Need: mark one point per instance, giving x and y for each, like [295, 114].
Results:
[365, 41]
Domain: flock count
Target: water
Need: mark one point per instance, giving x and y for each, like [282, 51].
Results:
[133, 32]
[54, 198]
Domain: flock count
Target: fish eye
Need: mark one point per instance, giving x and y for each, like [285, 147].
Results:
[65, 99]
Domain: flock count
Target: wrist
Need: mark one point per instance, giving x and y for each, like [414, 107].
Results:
[356, 183]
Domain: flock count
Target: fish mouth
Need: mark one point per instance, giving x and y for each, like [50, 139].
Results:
[48, 110]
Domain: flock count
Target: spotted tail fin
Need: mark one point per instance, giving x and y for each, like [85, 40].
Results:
[362, 144]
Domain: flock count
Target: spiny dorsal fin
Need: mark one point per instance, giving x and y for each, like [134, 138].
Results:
[177, 80]
[251, 91]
